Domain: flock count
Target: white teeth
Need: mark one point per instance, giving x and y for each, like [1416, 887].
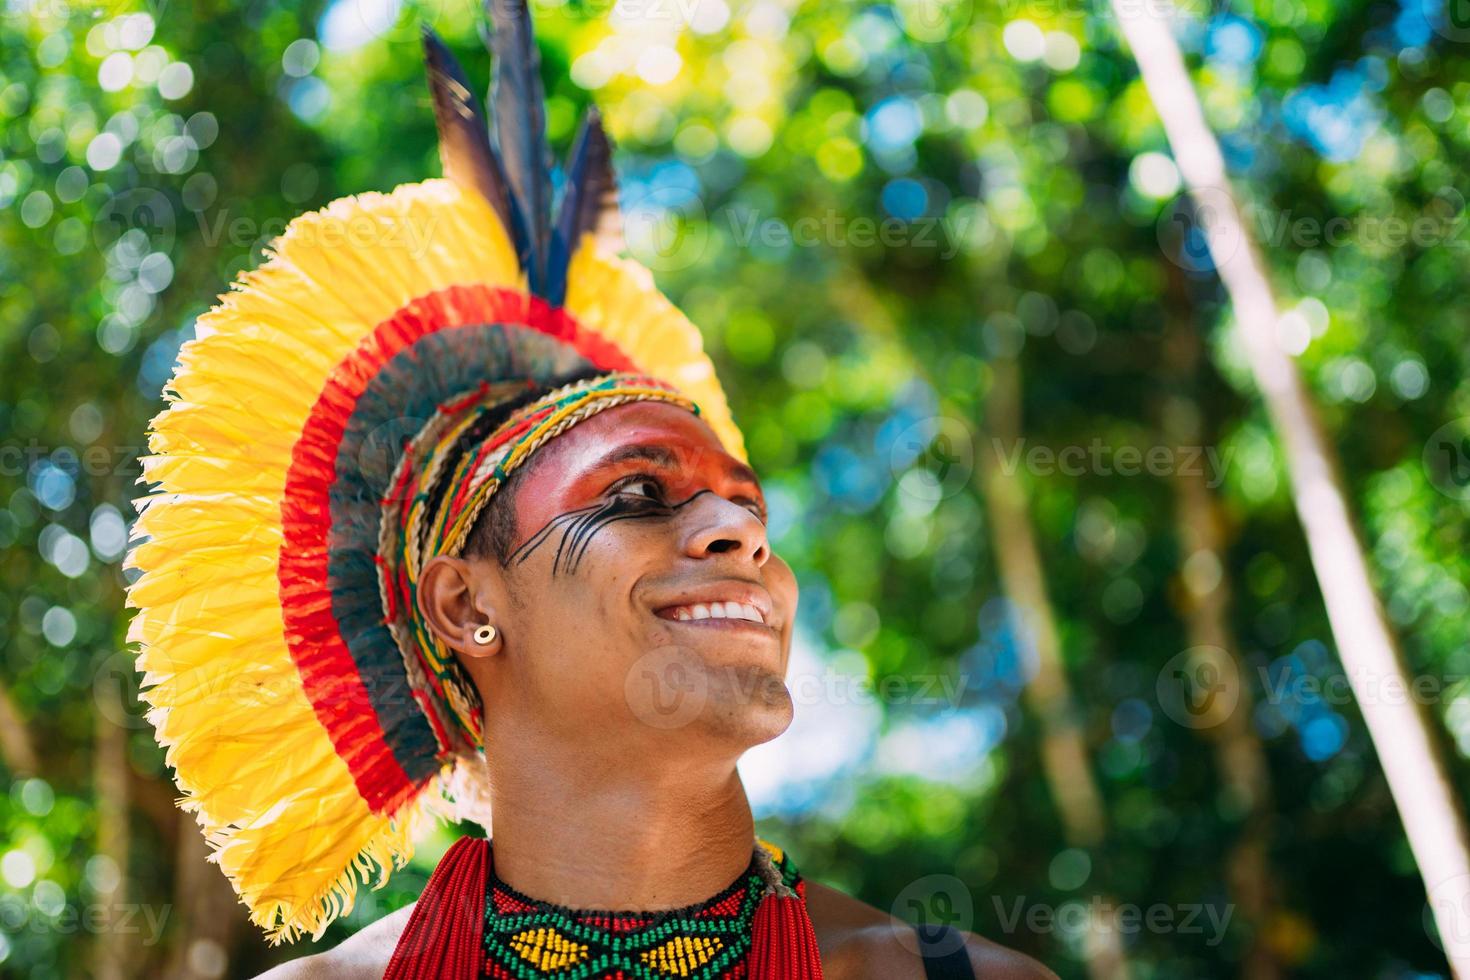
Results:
[719, 610]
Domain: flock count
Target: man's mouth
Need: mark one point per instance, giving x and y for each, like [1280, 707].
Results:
[727, 602]
[714, 610]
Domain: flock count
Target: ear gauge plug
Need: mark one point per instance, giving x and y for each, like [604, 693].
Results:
[485, 634]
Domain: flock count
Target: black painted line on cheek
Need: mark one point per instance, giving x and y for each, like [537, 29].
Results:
[580, 526]
[575, 560]
[539, 538]
[579, 537]
[572, 534]
[615, 510]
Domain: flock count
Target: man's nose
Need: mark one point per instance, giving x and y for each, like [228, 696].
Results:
[723, 527]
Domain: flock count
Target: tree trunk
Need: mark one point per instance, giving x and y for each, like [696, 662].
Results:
[1048, 695]
[1064, 757]
[17, 749]
[1203, 597]
[112, 951]
[1411, 759]
[211, 919]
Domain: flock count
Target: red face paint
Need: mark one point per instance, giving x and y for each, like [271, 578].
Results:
[677, 449]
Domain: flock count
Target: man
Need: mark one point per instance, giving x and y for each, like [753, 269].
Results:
[467, 528]
[597, 803]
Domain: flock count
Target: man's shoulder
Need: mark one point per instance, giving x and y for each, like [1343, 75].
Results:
[363, 954]
[859, 942]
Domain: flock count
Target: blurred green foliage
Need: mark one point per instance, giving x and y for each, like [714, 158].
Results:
[864, 206]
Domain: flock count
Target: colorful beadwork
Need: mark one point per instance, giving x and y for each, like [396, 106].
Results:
[526, 939]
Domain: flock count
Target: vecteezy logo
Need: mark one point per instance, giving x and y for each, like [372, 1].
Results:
[939, 452]
[379, 453]
[1447, 916]
[392, 20]
[1200, 687]
[132, 212]
[666, 228]
[115, 691]
[1451, 20]
[940, 908]
[1196, 231]
[666, 688]
[1447, 459]
[934, 20]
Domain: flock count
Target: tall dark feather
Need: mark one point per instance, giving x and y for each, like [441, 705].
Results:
[589, 203]
[520, 125]
[464, 137]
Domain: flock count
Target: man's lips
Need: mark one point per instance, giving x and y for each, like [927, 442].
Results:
[720, 604]
[723, 624]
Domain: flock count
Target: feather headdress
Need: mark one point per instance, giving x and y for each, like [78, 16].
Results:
[272, 656]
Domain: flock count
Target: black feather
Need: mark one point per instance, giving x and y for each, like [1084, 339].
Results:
[464, 136]
[520, 126]
[589, 203]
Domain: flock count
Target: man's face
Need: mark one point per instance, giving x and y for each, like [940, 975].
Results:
[642, 598]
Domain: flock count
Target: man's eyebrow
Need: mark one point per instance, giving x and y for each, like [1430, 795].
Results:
[658, 455]
[666, 458]
[742, 472]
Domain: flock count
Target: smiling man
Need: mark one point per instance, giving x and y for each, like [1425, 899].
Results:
[620, 613]
[470, 532]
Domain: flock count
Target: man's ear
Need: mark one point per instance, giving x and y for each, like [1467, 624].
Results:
[457, 601]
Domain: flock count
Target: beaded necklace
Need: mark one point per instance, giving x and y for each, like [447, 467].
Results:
[468, 923]
[527, 939]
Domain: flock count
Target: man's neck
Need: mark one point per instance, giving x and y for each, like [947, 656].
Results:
[595, 836]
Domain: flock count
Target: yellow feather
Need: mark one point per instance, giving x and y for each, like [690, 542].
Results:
[257, 769]
[619, 300]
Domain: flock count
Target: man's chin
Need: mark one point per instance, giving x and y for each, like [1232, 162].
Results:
[682, 690]
[749, 704]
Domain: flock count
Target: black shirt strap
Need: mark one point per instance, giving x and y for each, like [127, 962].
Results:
[944, 953]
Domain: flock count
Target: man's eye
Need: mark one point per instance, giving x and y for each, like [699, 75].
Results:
[641, 486]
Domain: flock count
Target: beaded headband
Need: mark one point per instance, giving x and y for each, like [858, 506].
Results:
[440, 489]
